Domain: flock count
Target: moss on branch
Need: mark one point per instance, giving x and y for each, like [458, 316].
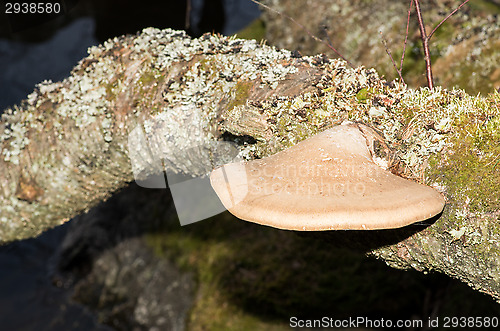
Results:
[66, 147]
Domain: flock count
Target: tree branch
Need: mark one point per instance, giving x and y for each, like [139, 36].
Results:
[425, 45]
[447, 17]
[67, 147]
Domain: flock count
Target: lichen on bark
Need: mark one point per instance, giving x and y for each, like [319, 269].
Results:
[66, 147]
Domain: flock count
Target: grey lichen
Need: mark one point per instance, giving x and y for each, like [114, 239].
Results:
[68, 142]
[15, 133]
[70, 137]
[210, 75]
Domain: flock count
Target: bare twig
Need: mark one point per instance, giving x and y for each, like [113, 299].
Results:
[426, 38]
[406, 36]
[400, 70]
[305, 29]
[449, 15]
[392, 59]
[425, 44]
[325, 30]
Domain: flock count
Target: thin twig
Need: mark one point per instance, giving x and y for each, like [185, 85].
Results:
[426, 38]
[496, 164]
[390, 55]
[406, 36]
[425, 44]
[497, 159]
[449, 15]
[304, 28]
[325, 30]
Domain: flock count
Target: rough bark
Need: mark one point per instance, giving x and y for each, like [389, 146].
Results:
[67, 146]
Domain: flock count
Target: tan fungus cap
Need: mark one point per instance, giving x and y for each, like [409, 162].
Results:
[326, 182]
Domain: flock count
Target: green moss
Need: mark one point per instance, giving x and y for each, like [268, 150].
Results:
[240, 94]
[362, 95]
[469, 171]
[292, 132]
[149, 77]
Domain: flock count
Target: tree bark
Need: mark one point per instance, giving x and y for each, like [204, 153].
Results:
[69, 145]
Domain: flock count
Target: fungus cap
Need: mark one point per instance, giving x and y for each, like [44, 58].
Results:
[326, 182]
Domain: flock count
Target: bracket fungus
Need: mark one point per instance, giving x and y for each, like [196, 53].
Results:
[327, 182]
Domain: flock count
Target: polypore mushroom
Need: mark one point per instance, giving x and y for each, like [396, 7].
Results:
[326, 182]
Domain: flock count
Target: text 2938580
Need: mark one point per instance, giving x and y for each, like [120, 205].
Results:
[32, 8]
